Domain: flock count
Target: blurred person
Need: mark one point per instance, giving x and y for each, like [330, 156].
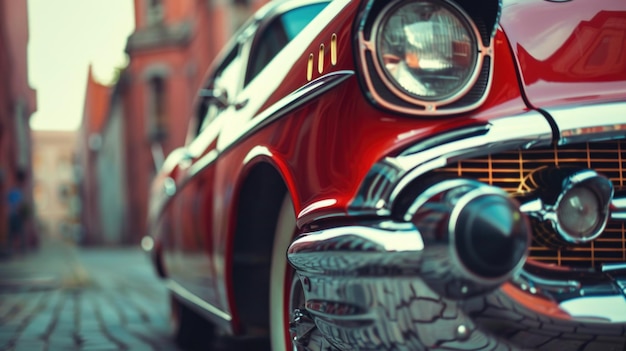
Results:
[18, 214]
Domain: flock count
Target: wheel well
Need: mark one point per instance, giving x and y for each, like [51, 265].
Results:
[259, 204]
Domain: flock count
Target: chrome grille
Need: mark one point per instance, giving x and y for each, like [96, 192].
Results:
[507, 170]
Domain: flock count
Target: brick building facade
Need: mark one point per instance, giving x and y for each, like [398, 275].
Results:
[173, 44]
[17, 104]
[88, 146]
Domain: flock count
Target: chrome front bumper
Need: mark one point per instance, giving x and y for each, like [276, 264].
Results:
[369, 287]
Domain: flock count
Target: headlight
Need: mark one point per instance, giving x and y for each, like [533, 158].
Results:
[570, 206]
[580, 213]
[425, 57]
[427, 49]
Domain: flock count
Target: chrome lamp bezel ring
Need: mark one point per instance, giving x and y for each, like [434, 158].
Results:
[547, 188]
[401, 92]
[373, 71]
[602, 188]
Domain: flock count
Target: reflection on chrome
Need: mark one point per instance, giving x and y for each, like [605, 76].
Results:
[592, 122]
[609, 308]
[483, 233]
[379, 242]
[581, 295]
[618, 205]
[614, 267]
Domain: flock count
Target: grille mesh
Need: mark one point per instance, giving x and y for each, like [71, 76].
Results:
[507, 170]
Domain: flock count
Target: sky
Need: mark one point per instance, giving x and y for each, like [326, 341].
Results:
[65, 37]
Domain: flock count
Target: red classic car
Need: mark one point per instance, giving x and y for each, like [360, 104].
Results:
[405, 175]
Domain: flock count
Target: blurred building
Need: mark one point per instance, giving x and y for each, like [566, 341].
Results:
[88, 148]
[57, 204]
[146, 117]
[111, 171]
[17, 104]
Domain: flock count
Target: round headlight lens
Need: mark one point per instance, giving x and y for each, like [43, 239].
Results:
[579, 213]
[427, 49]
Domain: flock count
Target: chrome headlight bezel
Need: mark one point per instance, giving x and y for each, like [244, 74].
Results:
[384, 91]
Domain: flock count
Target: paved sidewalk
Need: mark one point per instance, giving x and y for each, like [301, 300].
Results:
[54, 265]
[62, 298]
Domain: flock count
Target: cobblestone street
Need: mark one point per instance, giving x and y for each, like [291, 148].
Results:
[65, 298]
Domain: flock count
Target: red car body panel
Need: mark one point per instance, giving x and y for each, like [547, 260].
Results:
[321, 187]
[324, 149]
[580, 57]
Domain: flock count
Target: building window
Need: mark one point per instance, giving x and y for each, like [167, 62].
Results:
[155, 11]
[158, 120]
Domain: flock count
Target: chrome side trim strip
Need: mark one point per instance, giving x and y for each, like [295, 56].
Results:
[296, 99]
[280, 109]
[192, 298]
[389, 176]
[201, 164]
[591, 122]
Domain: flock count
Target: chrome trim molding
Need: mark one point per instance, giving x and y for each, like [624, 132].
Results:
[299, 97]
[618, 205]
[278, 110]
[525, 131]
[201, 164]
[190, 297]
[389, 176]
[591, 122]
[291, 102]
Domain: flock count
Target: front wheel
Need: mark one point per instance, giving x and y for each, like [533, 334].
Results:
[288, 317]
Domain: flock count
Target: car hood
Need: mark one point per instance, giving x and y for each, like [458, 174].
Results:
[568, 51]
